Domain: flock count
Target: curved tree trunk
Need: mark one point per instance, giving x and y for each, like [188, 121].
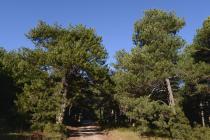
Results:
[170, 95]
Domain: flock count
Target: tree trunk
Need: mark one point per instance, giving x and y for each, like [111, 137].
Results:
[170, 94]
[100, 112]
[60, 116]
[70, 109]
[202, 114]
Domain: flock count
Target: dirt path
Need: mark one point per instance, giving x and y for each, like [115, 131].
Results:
[89, 132]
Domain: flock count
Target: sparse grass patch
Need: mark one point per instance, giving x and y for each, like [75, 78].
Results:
[128, 134]
[32, 135]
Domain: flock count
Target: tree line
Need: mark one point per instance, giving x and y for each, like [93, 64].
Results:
[160, 87]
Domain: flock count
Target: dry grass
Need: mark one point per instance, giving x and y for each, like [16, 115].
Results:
[124, 134]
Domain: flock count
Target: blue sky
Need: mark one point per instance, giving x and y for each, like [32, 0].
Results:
[112, 19]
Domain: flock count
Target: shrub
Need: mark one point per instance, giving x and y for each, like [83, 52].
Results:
[200, 133]
[54, 128]
[156, 118]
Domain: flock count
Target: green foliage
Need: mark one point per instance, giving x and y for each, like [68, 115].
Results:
[144, 69]
[52, 128]
[9, 88]
[200, 133]
[41, 100]
[194, 69]
[155, 118]
[202, 37]
[140, 77]
[155, 27]
[67, 68]
[198, 56]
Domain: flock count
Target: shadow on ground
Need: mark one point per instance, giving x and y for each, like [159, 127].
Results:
[85, 130]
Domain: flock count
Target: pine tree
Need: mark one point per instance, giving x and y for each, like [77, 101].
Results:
[152, 62]
[195, 70]
[69, 66]
[143, 75]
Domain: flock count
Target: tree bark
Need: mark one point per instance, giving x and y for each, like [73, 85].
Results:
[202, 114]
[100, 112]
[170, 94]
[70, 109]
[60, 116]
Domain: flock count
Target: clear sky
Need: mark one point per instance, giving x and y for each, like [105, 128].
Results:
[112, 19]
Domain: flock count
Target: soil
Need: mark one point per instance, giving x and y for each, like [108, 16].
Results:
[87, 132]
